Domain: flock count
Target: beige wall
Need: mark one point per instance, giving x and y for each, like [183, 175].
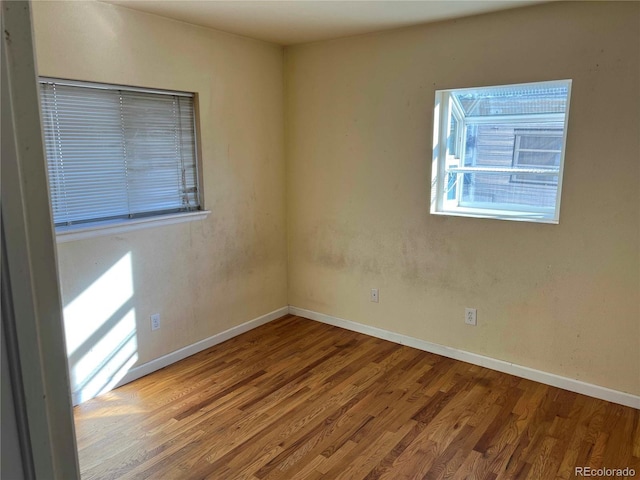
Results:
[205, 276]
[559, 298]
[358, 115]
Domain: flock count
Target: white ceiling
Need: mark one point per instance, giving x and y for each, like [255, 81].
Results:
[300, 21]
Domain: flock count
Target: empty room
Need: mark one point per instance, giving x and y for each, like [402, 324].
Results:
[321, 239]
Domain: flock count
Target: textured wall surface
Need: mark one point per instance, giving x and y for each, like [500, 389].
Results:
[356, 118]
[204, 276]
[359, 113]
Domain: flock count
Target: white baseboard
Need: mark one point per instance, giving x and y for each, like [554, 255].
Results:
[165, 360]
[554, 380]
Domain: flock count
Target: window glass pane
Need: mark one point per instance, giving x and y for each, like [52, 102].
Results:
[541, 159]
[514, 100]
[452, 137]
[541, 142]
[495, 189]
[489, 145]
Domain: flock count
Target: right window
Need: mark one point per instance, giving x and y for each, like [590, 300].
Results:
[499, 151]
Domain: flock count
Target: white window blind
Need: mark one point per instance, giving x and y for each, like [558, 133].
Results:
[118, 153]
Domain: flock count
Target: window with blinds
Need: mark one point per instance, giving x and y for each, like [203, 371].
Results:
[499, 151]
[118, 153]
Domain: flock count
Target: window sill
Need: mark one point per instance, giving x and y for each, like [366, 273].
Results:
[101, 229]
[517, 216]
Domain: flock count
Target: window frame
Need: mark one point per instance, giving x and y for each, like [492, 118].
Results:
[446, 108]
[111, 226]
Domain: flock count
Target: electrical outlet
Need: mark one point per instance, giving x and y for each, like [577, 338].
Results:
[155, 321]
[374, 295]
[470, 317]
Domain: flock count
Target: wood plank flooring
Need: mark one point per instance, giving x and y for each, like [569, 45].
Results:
[297, 399]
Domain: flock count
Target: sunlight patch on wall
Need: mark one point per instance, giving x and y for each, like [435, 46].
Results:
[436, 141]
[100, 329]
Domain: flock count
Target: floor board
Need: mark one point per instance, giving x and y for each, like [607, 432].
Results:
[297, 399]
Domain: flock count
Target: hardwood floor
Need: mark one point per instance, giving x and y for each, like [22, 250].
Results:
[297, 399]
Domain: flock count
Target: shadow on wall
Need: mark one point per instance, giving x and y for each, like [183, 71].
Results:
[100, 329]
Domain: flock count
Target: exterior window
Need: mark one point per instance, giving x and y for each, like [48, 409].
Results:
[499, 151]
[116, 153]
